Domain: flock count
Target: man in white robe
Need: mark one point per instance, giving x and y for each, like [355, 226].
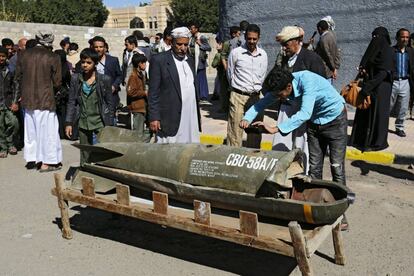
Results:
[38, 75]
[173, 109]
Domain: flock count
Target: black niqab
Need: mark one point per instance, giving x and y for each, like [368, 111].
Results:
[380, 41]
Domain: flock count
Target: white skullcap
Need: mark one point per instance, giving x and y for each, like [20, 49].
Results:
[288, 33]
[181, 32]
[330, 21]
[45, 38]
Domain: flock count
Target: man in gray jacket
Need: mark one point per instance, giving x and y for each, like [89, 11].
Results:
[327, 49]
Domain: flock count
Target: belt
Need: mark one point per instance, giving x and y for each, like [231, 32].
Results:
[403, 78]
[245, 93]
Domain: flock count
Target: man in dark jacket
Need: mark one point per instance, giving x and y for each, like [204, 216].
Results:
[38, 76]
[108, 65]
[90, 93]
[174, 113]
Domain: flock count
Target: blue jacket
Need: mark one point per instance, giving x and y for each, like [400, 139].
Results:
[320, 102]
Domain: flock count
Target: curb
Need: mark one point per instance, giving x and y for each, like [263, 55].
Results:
[351, 154]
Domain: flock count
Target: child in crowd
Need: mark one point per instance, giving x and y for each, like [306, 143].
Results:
[8, 104]
[136, 92]
[91, 94]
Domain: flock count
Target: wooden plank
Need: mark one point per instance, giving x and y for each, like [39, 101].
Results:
[122, 194]
[160, 202]
[88, 186]
[338, 245]
[63, 206]
[248, 223]
[145, 212]
[202, 212]
[299, 247]
[318, 236]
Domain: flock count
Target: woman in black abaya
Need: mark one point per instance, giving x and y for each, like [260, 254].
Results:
[370, 129]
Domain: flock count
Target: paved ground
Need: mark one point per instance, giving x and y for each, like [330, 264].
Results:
[379, 242]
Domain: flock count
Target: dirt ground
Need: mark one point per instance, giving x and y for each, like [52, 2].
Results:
[379, 242]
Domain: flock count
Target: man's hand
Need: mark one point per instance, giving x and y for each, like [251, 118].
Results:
[14, 107]
[155, 126]
[68, 131]
[335, 74]
[244, 124]
[311, 40]
[113, 89]
[271, 130]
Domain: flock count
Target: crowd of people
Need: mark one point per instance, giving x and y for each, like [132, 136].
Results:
[73, 94]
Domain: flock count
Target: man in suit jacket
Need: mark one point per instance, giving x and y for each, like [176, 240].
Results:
[108, 65]
[174, 113]
[293, 56]
[130, 50]
[327, 49]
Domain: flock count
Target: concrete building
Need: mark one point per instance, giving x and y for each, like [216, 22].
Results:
[355, 20]
[152, 18]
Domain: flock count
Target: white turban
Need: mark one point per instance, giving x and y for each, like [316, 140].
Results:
[181, 32]
[288, 33]
[45, 38]
[330, 21]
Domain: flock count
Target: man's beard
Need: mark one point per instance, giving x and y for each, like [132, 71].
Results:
[179, 56]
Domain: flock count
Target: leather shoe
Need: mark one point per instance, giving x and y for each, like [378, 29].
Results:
[400, 133]
[31, 165]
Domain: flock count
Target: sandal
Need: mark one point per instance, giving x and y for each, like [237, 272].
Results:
[50, 169]
[3, 154]
[12, 150]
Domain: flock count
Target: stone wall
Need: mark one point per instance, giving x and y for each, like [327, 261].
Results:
[355, 20]
[79, 34]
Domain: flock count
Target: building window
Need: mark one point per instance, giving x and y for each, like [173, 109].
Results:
[136, 22]
[155, 23]
[150, 22]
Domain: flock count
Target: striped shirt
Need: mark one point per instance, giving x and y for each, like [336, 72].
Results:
[401, 64]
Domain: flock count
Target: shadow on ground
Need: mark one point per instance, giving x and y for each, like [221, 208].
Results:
[186, 246]
[382, 169]
[213, 110]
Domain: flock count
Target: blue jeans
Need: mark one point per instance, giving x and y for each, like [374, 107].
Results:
[334, 135]
[400, 99]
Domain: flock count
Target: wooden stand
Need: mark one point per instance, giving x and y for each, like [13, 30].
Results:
[289, 241]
